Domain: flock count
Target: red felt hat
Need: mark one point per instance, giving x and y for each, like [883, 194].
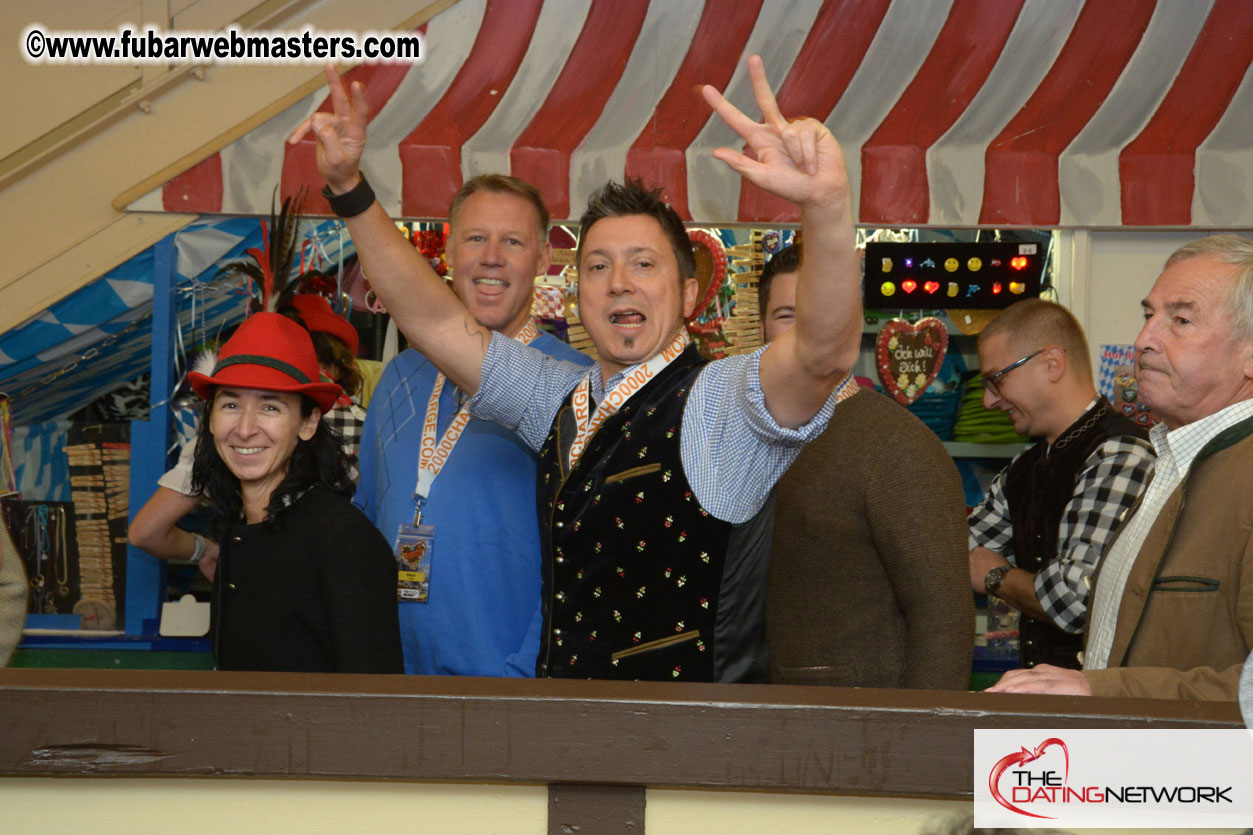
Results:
[271, 353]
[318, 317]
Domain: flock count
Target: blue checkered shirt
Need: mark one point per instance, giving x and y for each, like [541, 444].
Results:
[733, 451]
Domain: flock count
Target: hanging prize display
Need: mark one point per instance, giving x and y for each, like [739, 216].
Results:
[908, 356]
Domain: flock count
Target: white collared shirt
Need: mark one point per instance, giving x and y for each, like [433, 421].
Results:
[1176, 449]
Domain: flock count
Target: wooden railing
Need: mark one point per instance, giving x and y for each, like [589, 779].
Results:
[597, 744]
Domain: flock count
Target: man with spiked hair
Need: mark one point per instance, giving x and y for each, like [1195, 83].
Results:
[654, 466]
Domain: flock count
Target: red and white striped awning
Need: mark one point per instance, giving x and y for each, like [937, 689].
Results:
[950, 112]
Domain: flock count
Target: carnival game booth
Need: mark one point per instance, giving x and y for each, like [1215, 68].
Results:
[1123, 140]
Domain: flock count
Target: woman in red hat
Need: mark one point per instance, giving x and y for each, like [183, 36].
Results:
[304, 581]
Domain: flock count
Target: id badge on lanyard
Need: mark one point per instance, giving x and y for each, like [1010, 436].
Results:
[414, 545]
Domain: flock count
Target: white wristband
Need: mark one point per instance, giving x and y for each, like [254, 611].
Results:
[199, 552]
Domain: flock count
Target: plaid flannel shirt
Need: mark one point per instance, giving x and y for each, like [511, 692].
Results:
[1111, 479]
[348, 421]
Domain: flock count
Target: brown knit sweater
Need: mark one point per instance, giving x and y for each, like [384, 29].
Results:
[869, 584]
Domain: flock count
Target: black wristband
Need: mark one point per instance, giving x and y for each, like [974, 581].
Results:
[352, 202]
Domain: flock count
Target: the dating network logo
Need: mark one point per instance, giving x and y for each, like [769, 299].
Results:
[1027, 786]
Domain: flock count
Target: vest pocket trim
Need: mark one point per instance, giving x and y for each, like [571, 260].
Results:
[634, 471]
[660, 643]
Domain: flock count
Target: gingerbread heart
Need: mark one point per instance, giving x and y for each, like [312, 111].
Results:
[909, 356]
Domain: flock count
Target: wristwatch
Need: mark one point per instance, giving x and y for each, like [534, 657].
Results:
[993, 579]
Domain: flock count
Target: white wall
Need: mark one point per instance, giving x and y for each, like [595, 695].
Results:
[1105, 273]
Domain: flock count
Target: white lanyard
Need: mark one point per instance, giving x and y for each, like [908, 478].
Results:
[432, 456]
[621, 393]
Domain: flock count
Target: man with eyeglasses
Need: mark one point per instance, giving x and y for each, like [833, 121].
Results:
[1036, 538]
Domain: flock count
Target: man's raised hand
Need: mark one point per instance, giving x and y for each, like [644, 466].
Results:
[797, 160]
[340, 135]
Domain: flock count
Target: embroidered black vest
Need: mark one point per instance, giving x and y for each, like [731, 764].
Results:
[634, 568]
[1037, 488]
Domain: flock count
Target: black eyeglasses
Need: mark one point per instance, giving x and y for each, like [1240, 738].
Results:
[990, 382]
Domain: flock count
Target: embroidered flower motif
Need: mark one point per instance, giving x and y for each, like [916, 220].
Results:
[596, 592]
[682, 581]
[621, 572]
[678, 627]
[641, 545]
[639, 593]
[669, 521]
[667, 475]
[617, 520]
[667, 573]
[682, 536]
[578, 617]
[700, 645]
[678, 668]
[704, 557]
[635, 639]
[639, 497]
[704, 602]
[643, 451]
[617, 616]
[596, 547]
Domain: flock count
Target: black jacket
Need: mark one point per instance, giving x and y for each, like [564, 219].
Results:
[314, 591]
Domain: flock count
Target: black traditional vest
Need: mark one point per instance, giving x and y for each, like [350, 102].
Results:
[636, 573]
[1038, 486]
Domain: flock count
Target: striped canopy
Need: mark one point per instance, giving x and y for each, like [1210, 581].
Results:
[951, 112]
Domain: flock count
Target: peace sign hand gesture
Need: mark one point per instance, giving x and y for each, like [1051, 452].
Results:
[798, 160]
[340, 135]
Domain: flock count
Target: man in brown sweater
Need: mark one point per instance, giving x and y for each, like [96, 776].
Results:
[867, 584]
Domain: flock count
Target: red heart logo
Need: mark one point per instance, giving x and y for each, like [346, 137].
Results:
[909, 285]
[931, 286]
[908, 356]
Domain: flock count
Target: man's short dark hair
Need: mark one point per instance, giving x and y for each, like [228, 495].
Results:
[786, 260]
[502, 184]
[1034, 324]
[632, 198]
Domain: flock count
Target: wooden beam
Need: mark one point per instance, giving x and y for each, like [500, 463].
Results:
[762, 737]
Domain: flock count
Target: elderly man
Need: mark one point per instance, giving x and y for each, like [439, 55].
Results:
[1036, 538]
[477, 610]
[654, 466]
[1172, 602]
